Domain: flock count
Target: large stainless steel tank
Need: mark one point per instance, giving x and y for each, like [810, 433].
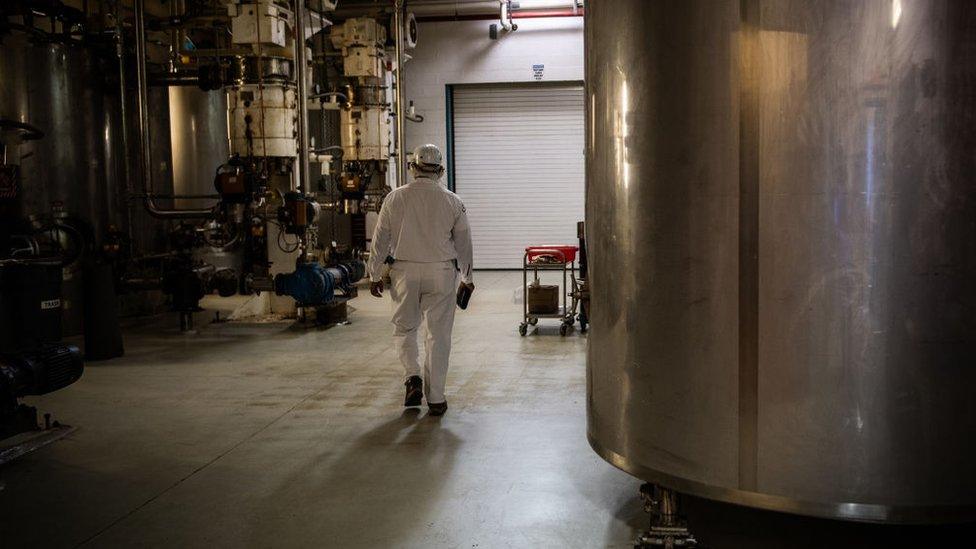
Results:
[72, 96]
[781, 217]
[199, 142]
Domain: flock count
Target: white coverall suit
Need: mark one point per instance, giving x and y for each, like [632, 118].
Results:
[424, 227]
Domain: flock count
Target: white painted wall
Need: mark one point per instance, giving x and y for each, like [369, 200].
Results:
[461, 53]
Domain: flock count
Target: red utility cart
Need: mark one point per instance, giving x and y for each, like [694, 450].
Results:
[550, 257]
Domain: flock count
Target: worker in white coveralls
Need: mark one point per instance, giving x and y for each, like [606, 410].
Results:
[423, 232]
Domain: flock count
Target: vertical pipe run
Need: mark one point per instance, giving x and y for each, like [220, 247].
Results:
[142, 102]
[174, 37]
[504, 16]
[124, 114]
[400, 145]
[301, 62]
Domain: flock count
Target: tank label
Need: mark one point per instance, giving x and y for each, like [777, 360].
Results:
[50, 304]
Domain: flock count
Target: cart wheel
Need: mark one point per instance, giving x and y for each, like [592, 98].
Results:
[563, 329]
[533, 321]
[523, 329]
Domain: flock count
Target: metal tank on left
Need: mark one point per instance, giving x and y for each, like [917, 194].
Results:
[69, 154]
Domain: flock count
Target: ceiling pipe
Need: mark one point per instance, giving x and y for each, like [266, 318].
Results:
[458, 10]
[533, 14]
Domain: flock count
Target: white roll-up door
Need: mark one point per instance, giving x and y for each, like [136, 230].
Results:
[518, 165]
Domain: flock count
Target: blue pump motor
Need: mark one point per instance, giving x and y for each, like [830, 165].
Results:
[313, 284]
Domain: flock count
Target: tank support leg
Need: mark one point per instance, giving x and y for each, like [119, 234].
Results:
[668, 529]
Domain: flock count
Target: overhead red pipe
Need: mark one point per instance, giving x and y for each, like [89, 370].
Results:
[525, 14]
[546, 13]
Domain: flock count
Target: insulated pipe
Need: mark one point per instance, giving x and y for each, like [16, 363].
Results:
[142, 83]
[503, 16]
[400, 145]
[301, 73]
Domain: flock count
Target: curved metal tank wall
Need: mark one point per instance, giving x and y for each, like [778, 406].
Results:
[69, 94]
[199, 144]
[781, 219]
[198, 140]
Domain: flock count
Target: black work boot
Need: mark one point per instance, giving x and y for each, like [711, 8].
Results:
[415, 391]
[437, 409]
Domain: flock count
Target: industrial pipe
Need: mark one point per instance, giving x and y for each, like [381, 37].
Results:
[145, 147]
[174, 38]
[123, 114]
[425, 9]
[185, 196]
[340, 97]
[505, 17]
[532, 14]
[177, 79]
[400, 145]
[301, 73]
[536, 14]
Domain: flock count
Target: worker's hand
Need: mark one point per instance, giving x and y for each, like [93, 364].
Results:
[376, 288]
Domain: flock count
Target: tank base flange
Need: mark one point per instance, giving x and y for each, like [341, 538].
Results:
[930, 515]
[668, 529]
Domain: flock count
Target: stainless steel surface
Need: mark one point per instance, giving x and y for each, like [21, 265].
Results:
[198, 140]
[66, 92]
[780, 198]
[145, 139]
[14, 100]
[262, 69]
[77, 169]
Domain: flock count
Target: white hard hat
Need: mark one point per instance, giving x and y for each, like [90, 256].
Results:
[428, 158]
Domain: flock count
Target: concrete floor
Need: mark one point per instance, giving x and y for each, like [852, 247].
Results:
[266, 435]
